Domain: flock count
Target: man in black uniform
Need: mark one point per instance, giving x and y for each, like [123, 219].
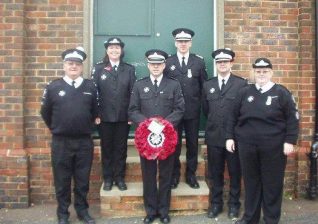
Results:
[156, 95]
[218, 96]
[264, 124]
[190, 70]
[69, 108]
[114, 79]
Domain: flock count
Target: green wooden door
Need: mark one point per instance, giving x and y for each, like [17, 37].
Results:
[146, 24]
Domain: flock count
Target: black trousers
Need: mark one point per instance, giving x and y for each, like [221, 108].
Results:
[217, 157]
[114, 137]
[71, 158]
[263, 167]
[157, 200]
[191, 129]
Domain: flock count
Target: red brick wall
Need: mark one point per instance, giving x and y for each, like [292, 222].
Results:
[284, 32]
[33, 33]
[13, 159]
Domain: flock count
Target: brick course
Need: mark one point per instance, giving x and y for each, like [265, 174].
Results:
[33, 33]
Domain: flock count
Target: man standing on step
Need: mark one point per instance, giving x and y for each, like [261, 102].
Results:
[69, 108]
[189, 70]
[218, 96]
[153, 96]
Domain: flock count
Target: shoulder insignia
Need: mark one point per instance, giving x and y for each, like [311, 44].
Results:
[199, 56]
[142, 78]
[100, 62]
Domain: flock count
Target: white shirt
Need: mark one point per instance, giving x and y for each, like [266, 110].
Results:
[69, 81]
[265, 87]
[220, 78]
[159, 78]
[186, 57]
[114, 63]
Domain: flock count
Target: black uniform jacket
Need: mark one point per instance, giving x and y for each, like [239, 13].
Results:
[114, 88]
[167, 102]
[259, 118]
[191, 82]
[70, 111]
[217, 105]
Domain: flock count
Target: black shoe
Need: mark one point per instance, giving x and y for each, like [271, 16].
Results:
[233, 213]
[214, 212]
[121, 185]
[63, 221]
[241, 221]
[149, 219]
[192, 182]
[174, 183]
[108, 184]
[86, 218]
[165, 219]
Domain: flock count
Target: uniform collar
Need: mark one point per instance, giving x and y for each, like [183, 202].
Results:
[158, 79]
[186, 57]
[114, 63]
[226, 78]
[78, 81]
[265, 87]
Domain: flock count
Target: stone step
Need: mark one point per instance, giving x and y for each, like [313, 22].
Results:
[133, 169]
[129, 203]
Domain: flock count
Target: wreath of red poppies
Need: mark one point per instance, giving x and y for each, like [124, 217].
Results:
[152, 146]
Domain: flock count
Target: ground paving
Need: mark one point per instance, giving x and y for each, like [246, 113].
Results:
[295, 211]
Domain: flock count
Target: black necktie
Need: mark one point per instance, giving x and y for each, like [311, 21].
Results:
[156, 84]
[183, 65]
[73, 83]
[223, 84]
[260, 90]
[115, 68]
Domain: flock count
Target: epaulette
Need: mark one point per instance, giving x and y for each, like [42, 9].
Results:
[100, 62]
[142, 78]
[127, 64]
[169, 77]
[199, 56]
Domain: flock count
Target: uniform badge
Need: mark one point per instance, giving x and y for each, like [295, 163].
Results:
[212, 90]
[103, 77]
[269, 101]
[161, 92]
[250, 99]
[173, 67]
[297, 115]
[189, 74]
[156, 140]
[62, 93]
[146, 89]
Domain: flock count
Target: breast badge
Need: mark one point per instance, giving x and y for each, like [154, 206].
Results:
[173, 67]
[189, 74]
[146, 89]
[62, 93]
[212, 90]
[250, 99]
[103, 77]
[269, 101]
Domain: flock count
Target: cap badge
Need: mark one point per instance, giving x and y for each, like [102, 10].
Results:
[250, 99]
[146, 89]
[114, 41]
[173, 67]
[103, 77]
[212, 90]
[189, 74]
[261, 63]
[62, 93]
